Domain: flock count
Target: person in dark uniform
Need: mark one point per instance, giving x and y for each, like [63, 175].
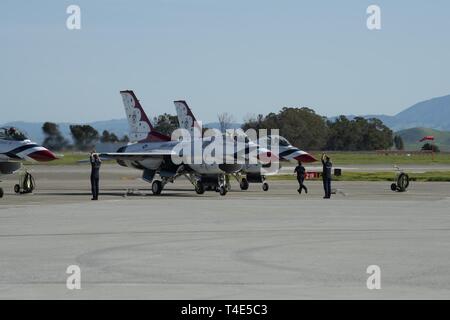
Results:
[95, 174]
[301, 171]
[326, 175]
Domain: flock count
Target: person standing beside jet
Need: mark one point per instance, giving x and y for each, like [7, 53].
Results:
[326, 175]
[301, 171]
[95, 174]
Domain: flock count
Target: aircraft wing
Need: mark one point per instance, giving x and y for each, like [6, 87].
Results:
[137, 155]
[89, 161]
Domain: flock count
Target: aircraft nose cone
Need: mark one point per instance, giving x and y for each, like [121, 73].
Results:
[43, 155]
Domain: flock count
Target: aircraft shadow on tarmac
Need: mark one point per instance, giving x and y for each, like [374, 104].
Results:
[125, 193]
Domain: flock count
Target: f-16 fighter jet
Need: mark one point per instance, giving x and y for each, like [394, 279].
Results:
[15, 148]
[157, 154]
[253, 173]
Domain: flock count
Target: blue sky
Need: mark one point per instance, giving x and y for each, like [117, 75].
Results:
[244, 57]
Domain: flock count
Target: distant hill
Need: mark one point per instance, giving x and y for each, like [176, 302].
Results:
[433, 113]
[412, 136]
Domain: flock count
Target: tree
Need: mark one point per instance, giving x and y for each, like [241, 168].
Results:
[54, 140]
[398, 142]
[359, 134]
[225, 121]
[108, 137]
[253, 122]
[165, 123]
[301, 126]
[430, 147]
[378, 136]
[343, 135]
[84, 136]
[125, 139]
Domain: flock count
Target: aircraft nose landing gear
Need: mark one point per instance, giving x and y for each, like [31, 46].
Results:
[222, 190]
[223, 185]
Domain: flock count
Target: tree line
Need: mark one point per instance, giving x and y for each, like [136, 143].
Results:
[301, 126]
[310, 131]
[84, 137]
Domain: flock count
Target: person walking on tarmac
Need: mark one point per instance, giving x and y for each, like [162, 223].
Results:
[301, 171]
[95, 174]
[326, 175]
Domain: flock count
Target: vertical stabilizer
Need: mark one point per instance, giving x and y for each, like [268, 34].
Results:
[141, 130]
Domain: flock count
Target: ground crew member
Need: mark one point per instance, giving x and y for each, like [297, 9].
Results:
[95, 174]
[301, 171]
[326, 175]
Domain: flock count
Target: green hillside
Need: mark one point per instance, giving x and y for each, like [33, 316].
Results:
[412, 136]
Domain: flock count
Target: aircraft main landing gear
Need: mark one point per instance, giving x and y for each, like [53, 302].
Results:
[1, 193]
[157, 187]
[244, 184]
[199, 188]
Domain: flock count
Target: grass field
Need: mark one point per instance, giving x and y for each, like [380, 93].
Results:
[434, 176]
[345, 158]
[339, 158]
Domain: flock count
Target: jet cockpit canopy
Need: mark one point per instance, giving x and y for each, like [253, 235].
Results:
[12, 134]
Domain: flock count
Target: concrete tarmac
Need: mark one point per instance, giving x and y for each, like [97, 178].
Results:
[246, 245]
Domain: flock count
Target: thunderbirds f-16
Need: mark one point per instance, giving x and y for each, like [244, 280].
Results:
[16, 148]
[155, 153]
[250, 173]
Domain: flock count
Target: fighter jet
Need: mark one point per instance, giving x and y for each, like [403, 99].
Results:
[15, 148]
[154, 153]
[250, 173]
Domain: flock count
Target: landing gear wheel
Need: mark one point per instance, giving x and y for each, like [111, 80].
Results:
[222, 190]
[26, 184]
[265, 186]
[244, 184]
[157, 187]
[1, 193]
[200, 189]
[402, 182]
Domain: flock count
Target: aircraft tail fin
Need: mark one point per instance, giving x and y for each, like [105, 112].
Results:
[141, 129]
[185, 116]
